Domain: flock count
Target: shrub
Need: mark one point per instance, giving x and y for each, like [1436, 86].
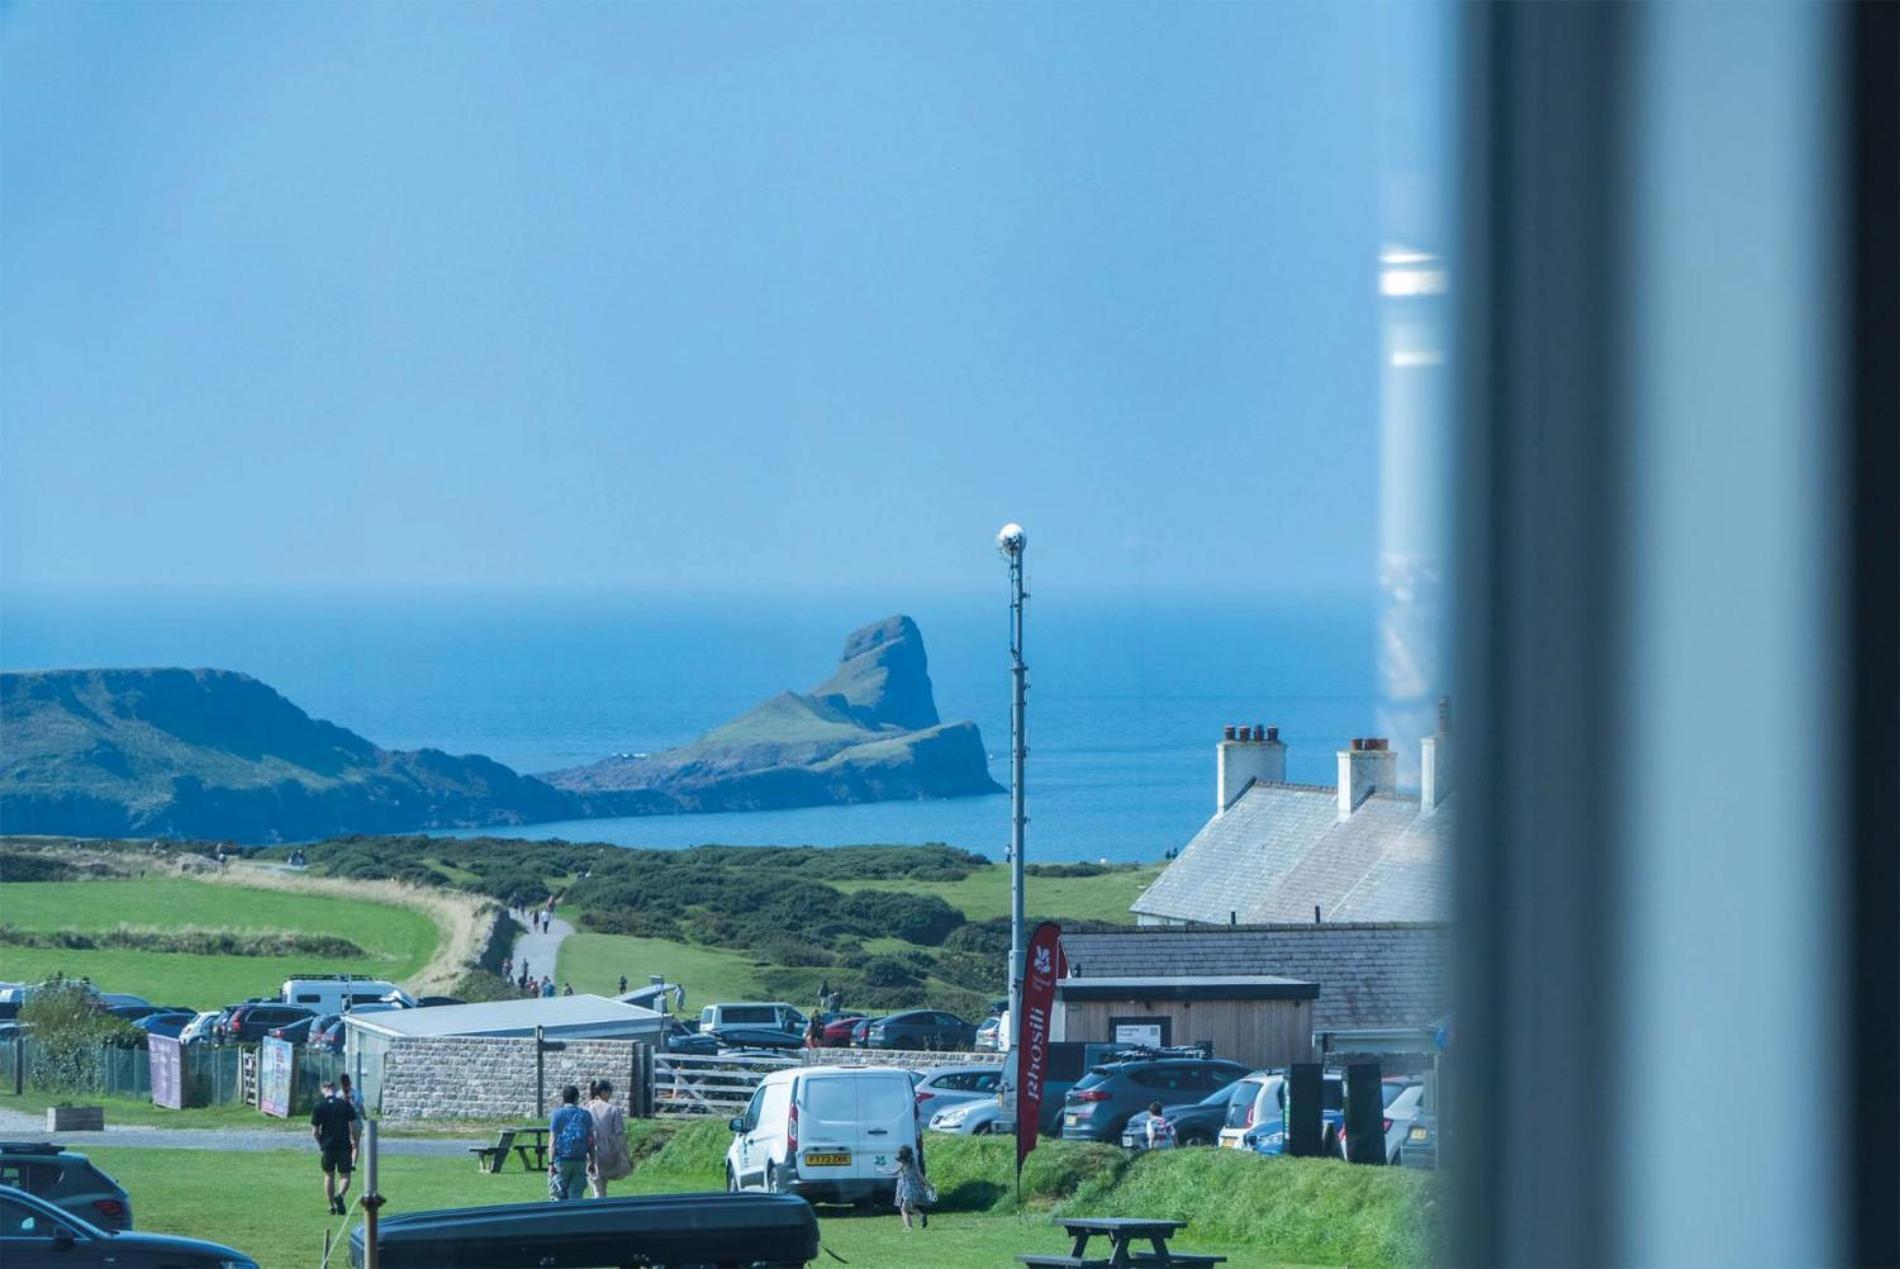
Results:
[69, 1031]
[21, 866]
[889, 971]
[915, 918]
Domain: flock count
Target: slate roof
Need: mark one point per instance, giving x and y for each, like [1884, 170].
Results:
[576, 1016]
[1370, 973]
[1282, 848]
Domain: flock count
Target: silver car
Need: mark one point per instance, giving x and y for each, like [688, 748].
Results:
[943, 1086]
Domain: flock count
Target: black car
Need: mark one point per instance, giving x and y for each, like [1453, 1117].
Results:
[682, 1039]
[300, 1031]
[1195, 1123]
[743, 1037]
[920, 1029]
[66, 1180]
[767, 1231]
[1104, 1100]
[33, 1232]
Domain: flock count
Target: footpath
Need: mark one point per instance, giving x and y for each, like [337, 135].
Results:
[542, 952]
[18, 1126]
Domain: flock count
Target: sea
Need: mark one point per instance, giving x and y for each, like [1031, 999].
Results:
[1127, 696]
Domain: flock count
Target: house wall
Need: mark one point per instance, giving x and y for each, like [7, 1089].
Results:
[493, 1077]
[1257, 1032]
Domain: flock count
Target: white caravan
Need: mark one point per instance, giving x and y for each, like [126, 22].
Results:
[339, 993]
[825, 1133]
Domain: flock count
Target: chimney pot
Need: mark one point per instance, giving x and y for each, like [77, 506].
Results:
[1229, 732]
[1273, 733]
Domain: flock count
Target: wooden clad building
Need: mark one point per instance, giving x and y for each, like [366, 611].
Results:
[1255, 1019]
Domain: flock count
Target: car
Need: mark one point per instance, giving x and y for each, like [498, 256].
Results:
[1256, 1119]
[859, 1030]
[988, 1034]
[763, 1230]
[300, 1031]
[945, 1085]
[682, 1039]
[34, 1232]
[1195, 1123]
[824, 1133]
[974, 1118]
[775, 1015]
[755, 1038]
[920, 1029]
[67, 1180]
[132, 1013]
[169, 1025]
[430, 1002]
[837, 1028]
[335, 993]
[1404, 1097]
[1419, 1149]
[251, 1023]
[1102, 1101]
[199, 1029]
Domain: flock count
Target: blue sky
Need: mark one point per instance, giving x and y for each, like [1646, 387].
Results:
[666, 298]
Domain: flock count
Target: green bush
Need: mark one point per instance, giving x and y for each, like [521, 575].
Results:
[889, 971]
[69, 1032]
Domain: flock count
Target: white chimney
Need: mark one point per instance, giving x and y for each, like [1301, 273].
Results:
[1434, 762]
[1368, 767]
[1246, 755]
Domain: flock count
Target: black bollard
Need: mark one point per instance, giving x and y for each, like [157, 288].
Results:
[1305, 1086]
[1365, 1114]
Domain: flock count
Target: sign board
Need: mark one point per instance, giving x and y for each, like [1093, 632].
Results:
[276, 1076]
[1141, 1033]
[168, 1072]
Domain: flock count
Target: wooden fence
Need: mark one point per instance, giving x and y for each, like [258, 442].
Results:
[686, 1085]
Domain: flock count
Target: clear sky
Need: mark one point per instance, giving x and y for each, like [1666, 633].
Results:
[669, 298]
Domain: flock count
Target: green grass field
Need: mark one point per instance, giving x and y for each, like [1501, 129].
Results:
[398, 941]
[595, 962]
[985, 893]
[1257, 1212]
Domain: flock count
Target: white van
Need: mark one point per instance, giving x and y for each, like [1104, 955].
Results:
[825, 1133]
[336, 993]
[775, 1014]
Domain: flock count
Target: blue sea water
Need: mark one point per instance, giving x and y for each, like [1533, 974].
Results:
[1126, 703]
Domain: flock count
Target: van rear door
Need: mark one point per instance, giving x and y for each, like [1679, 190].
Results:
[852, 1123]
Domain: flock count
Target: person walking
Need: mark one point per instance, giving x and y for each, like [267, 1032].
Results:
[623, 984]
[547, 986]
[814, 1034]
[508, 968]
[567, 989]
[612, 1161]
[824, 995]
[914, 1193]
[571, 1145]
[349, 1094]
[1160, 1129]
[331, 1123]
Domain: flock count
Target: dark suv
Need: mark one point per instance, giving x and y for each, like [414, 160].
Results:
[66, 1180]
[1102, 1101]
[250, 1023]
[919, 1029]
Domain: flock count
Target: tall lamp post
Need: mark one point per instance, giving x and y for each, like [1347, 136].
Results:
[1011, 542]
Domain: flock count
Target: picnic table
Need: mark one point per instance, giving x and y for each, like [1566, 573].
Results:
[1121, 1232]
[533, 1151]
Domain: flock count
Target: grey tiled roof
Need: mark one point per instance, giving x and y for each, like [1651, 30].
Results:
[1370, 974]
[1282, 848]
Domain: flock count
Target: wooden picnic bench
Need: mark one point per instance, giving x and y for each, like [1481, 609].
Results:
[1121, 1231]
[533, 1151]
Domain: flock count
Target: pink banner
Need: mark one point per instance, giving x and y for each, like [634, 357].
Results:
[1042, 966]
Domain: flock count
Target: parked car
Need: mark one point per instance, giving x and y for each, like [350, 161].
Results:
[974, 1118]
[827, 1132]
[300, 1030]
[1404, 1098]
[67, 1180]
[251, 1023]
[837, 1029]
[1195, 1123]
[920, 1029]
[1102, 1101]
[166, 1024]
[1256, 1120]
[859, 1030]
[988, 1033]
[775, 1015]
[771, 1038]
[199, 1029]
[681, 1038]
[1420, 1146]
[34, 1232]
[430, 1002]
[132, 1013]
[946, 1085]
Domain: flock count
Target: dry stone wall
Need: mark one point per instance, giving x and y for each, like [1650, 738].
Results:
[468, 1077]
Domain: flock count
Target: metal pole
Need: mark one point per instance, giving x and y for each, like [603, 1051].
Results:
[372, 1200]
[1012, 542]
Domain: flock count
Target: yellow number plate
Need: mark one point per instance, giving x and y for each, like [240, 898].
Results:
[827, 1160]
[1419, 1134]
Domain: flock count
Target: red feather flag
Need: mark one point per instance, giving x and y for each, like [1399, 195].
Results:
[1042, 967]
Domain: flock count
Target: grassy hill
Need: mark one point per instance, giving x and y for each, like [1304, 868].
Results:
[216, 754]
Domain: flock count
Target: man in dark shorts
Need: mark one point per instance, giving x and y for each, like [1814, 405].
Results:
[332, 1122]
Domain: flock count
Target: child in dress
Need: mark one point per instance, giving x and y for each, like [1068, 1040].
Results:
[913, 1192]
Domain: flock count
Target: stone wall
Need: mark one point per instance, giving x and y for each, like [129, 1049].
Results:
[453, 1077]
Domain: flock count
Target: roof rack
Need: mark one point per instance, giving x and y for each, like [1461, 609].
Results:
[30, 1147]
[1150, 1052]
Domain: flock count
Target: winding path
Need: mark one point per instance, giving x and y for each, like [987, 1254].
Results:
[542, 951]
